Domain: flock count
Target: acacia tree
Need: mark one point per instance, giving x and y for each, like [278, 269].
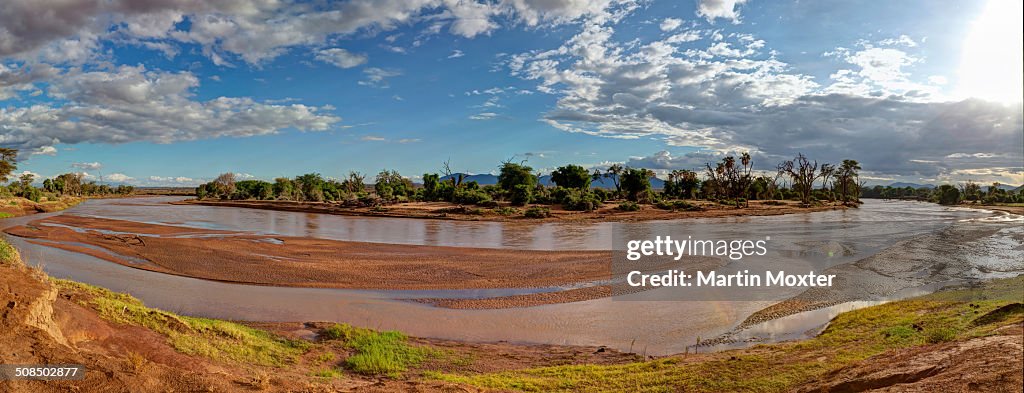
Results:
[613, 173]
[354, 183]
[827, 172]
[571, 176]
[733, 180]
[803, 174]
[8, 162]
[847, 179]
[682, 183]
[636, 182]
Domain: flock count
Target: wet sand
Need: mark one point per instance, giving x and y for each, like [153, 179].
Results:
[310, 262]
[449, 211]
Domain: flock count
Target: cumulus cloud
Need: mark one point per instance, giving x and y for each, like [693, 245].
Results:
[714, 9]
[669, 24]
[70, 31]
[733, 95]
[130, 104]
[341, 58]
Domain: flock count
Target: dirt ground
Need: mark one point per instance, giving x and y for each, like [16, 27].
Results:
[449, 211]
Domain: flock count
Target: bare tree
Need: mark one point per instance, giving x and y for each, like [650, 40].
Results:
[803, 174]
[456, 179]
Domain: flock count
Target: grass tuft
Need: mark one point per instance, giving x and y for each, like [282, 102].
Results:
[377, 353]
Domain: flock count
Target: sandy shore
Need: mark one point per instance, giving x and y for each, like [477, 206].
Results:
[449, 211]
[309, 262]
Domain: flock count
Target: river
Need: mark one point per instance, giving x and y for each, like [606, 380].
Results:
[821, 240]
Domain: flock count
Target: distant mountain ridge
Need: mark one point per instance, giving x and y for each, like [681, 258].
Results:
[1006, 187]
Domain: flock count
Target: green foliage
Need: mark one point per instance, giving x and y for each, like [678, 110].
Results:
[636, 184]
[390, 185]
[571, 176]
[948, 195]
[682, 184]
[253, 189]
[579, 200]
[521, 194]
[628, 206]
[676, 204]
[377, 353]
[506, 211]
[537, 212]
[513, 175]
[470, 197]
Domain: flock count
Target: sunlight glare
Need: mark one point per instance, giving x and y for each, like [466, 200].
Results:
[991, 65]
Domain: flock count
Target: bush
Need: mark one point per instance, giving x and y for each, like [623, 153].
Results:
[629, 206]
[521, 195]
[538, 212]
[506, 211]
[676, 204]
[940, 335]
[581, 201]
[470, 197]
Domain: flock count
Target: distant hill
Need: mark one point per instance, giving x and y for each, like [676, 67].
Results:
[1018, 189]
[489, 179]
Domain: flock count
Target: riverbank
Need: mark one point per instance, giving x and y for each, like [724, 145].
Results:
[954, 340]
[449, 211]
[17, 206]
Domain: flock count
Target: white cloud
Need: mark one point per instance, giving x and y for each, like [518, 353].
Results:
[484, 116]
[118, 178]
[456, 54]
[732, 97]
[129, 104]
[725, 9]
[341, 58]
[89, 166]
[377, 77]
[669, 24]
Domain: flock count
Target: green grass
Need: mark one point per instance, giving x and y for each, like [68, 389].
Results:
[8, 254]
[378, 353]
[6, 215]
[851, 337]
[328, 373]
[211, 338]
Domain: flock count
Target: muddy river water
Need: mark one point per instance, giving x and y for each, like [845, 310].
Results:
[818, 240]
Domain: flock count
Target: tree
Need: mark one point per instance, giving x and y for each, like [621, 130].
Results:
[26, 180]
[682, 183]
[636, 183]
[847, 176]
[225, 184]
[948, 195]
[512, 175]
[803, 174]
[614, 173]
[311, 187]
[390, 185]
[571, 176]
[354, 183]
[732, 180]
[8, 162]
[971, 191]
[430, 182]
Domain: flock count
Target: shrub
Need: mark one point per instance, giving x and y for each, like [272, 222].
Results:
[629, 206]
[538, 212]
[470, 197]
[940, 335]
[506, 211]
[581, 201]
[676, 204]
[521, 195]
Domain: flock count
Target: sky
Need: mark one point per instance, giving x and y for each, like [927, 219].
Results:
[174, 92]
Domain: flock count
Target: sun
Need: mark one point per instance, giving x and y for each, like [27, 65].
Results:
[991, 65]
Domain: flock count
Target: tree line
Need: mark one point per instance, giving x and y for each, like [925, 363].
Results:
[732, 181]
[948, 194]
[68, 184]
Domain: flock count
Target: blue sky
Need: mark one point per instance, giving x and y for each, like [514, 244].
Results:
[175, 92]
